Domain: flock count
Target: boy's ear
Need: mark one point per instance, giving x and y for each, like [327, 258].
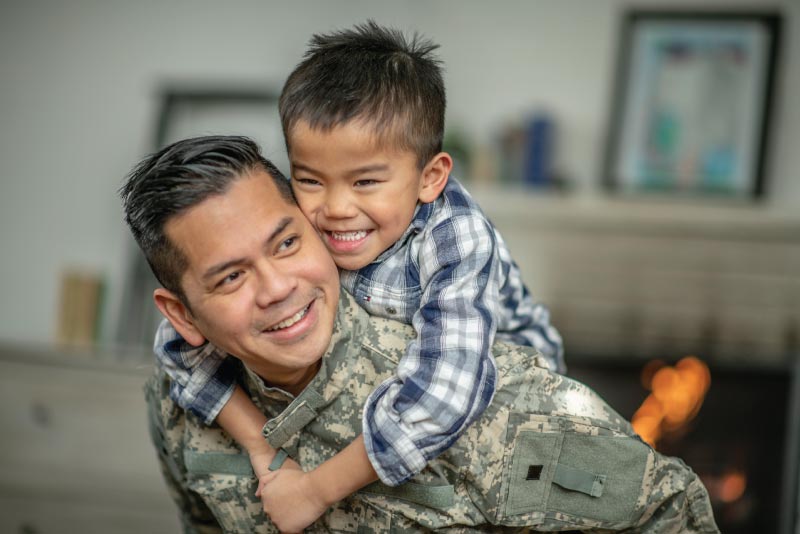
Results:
[179, 315]
[434, 177]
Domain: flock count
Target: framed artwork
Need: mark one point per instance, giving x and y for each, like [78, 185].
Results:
[692, 104]
[187, 112]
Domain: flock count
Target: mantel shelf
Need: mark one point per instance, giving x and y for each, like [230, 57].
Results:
[629, 215]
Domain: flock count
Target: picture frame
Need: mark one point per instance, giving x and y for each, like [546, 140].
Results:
[692, 104]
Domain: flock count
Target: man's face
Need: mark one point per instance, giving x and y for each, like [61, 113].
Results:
[260, 283]
[359, 196]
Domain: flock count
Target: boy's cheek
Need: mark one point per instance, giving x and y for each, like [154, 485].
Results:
[307, 207]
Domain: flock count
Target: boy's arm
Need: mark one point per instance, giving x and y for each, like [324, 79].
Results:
[202, 378]
[243, 421]
[200, 373]
[446, 378]
[294, 499]
[455, 326]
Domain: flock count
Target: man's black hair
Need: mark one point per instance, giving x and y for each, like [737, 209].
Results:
[174, 179]
[372, 74]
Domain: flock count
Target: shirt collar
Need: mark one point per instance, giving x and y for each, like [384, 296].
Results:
[422, 213]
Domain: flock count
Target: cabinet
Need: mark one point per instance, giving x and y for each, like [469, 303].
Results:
[75, 455]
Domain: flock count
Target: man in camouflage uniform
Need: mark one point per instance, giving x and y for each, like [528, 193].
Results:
[547, 455]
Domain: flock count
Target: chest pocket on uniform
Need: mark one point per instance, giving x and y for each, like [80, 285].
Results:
[571, 471]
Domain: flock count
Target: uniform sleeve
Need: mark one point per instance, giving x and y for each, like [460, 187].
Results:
[202, 378]
[195, 516]
[446, 378]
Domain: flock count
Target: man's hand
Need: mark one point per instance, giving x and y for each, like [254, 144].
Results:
[290, 499]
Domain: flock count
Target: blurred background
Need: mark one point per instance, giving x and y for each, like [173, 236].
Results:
[640, 158]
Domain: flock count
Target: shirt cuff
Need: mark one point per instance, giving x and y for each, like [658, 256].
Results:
[392, 466]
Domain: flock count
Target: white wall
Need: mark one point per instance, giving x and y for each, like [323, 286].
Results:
[78, 82]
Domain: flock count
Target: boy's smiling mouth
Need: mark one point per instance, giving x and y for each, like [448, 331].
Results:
[349, 236]
[344, 242]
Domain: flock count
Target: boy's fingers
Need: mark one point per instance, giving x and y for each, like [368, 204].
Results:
[268, 477]
[263, 481]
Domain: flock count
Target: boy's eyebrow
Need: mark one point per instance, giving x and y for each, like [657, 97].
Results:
[370, 168]
[220, 267]
[375, 167]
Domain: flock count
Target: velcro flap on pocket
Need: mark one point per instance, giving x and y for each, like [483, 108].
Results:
[535, 455]
[580, 480]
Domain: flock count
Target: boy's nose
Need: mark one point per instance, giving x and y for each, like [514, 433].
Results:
[339, 205]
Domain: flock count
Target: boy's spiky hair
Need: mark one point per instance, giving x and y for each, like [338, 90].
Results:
[373, 74]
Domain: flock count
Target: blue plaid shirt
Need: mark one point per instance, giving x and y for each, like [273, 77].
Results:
[452, 278]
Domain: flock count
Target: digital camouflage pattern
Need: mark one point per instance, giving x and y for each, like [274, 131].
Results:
[548, 454]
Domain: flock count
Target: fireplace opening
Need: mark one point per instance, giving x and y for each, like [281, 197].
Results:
[735, 433]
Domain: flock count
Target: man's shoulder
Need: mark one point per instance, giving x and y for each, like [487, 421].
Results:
[156, 388]
[164, 414]
[386, 337]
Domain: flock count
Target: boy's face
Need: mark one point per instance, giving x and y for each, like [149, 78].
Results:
[360, 196]
[260, 283]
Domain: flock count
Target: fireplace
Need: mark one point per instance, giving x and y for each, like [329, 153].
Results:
[742, 442]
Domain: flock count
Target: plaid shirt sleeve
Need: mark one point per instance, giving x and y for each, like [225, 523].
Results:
[202, 378]
[446, 379]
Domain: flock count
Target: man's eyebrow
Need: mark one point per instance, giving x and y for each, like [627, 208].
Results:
[220, 267]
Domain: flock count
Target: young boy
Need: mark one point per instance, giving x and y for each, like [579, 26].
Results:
[363, 119]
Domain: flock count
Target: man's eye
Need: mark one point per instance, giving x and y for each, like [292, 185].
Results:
[288, 243]
[232, 277]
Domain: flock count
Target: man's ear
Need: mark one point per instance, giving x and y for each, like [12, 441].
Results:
[179, 315]
[434, 177]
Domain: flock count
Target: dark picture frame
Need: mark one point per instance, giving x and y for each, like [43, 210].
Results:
[692, 103]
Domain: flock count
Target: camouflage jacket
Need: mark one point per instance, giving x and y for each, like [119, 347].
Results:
[548, 454]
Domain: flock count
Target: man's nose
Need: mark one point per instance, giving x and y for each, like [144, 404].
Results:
[275, 284]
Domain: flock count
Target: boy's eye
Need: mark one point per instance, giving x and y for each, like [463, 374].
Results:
[306, 181]
[365, 182]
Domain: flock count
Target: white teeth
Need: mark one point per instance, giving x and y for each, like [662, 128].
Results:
[349, 236]
[290, 321]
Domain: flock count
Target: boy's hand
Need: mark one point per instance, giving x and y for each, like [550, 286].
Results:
[260, 462]
[263, 461]
[290, 499]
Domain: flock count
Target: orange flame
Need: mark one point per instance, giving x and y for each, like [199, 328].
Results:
[676, 396]
[732, 486]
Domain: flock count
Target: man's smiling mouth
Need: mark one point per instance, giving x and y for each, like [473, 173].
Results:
[286, 323]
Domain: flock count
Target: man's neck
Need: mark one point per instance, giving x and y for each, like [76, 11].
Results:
[294, 382]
